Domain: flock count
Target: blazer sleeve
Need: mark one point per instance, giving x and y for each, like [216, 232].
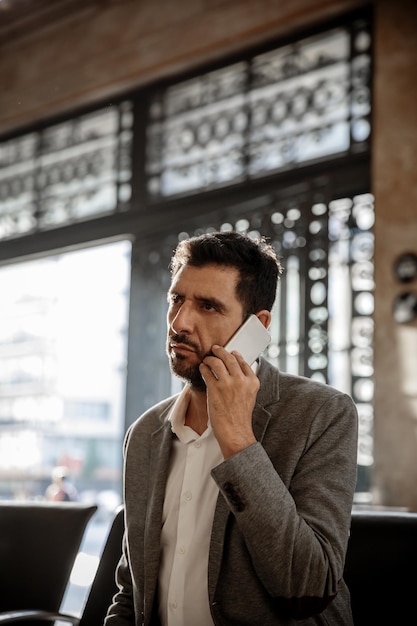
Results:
[291, 496]
[121, 611]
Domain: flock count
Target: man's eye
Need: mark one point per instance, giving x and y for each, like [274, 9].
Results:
[174, 298]
[208, 306]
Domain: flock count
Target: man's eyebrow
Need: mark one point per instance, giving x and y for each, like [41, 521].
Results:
[172, 292]
[214, 302]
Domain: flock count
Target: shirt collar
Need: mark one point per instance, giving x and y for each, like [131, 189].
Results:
[177, 418]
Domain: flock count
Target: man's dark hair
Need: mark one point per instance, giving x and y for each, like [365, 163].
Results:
[256, 261]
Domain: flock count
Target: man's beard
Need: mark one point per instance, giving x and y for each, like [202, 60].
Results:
[177, 362]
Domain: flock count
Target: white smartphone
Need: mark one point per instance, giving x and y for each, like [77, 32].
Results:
[250, 339]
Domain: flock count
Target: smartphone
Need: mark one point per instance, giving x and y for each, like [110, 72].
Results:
[250, 339]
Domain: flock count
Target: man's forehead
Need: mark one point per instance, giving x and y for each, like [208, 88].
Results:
[224, 274]
[209, 282]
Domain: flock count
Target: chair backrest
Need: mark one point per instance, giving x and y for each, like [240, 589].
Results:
[38, 545]
[104, 586]
[380, 568]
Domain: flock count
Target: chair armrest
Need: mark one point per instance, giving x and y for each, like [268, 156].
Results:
[14, 617]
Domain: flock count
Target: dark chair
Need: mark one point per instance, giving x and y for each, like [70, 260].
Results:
[380, 571]
[381, 567]
[101, 592]
[39, 542]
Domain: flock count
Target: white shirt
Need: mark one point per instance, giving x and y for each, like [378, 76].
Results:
[190, 501]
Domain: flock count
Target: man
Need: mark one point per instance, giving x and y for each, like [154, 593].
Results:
[61, 489]
[238, 491]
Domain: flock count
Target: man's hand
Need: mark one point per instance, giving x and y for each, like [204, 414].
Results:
[232, 387]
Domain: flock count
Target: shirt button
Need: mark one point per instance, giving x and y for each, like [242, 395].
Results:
[182, 550]
[188, 495]
[174, 605]
[197, 444]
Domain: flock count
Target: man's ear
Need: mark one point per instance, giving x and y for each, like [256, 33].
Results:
[264, 317]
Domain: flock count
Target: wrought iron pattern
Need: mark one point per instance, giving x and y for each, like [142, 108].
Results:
[290, 106]
[303, 103]
[352, 306]
[322, 319]
[75, 170]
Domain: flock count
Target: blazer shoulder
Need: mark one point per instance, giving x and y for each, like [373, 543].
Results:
[154, 417]
[284, 386]
[313, 395]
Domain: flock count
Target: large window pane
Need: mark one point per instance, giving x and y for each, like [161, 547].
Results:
[70, 172]
[63, 323]
[286, 108]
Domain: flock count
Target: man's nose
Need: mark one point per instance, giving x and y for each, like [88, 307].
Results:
[183, 322]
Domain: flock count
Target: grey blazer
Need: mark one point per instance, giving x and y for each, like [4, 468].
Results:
[282, 518]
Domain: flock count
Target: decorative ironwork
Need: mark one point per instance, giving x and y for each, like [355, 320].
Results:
[303, 103]
[291, 106]
[351, 308]
[67, 173]
[322, 320]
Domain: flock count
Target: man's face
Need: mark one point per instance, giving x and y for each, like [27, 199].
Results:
[203, 310]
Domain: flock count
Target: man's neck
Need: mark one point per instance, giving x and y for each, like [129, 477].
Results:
[196, 416]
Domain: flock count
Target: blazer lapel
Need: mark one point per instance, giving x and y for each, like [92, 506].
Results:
[158, 470]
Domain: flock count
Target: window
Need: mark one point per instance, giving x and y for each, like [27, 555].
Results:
[66, 173]
[276, 142]
[63, 368]
[322, 325]
[285, 108]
